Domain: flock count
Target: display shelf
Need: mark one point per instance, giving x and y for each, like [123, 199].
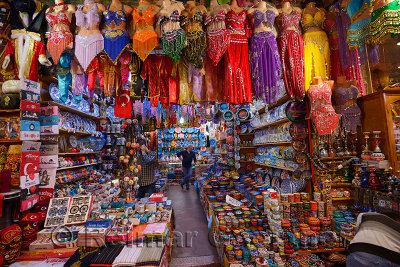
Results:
[79, 153]
[274, 143]
[9, 110]
[277, 167]
[76, 166]
[335, 185]
[247, 147]
[246, 134]
[69, 109]
[320, 250]
[337, 158]
[272, 124]
[10, 141]
[246, 161]
[376, 190]
[279, 102]
[62, 131]
[342, 198]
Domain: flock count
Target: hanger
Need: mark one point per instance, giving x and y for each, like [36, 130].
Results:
[268, 4]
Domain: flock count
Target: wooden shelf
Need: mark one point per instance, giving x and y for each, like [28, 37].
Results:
[9, 110]
[337, 158]
[272, 124]
[10, 141]
[274, 144]
[335, 185]
[376, 190]
[277, 167]
[69, 109]
[279, 102]
[71, 132]
[342, 198]
[246, 161]
[78, 153]
[247, 134]
[307, 251]
[247, 147]
[76, 166]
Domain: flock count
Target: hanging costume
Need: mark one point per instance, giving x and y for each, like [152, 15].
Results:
[64, 76]
[196, 80]
[196, 39]
[59, 40]
[172, 41]
[316, 48]
[38, 23]
[184, 89]
[145, 38]
[237, 73]
[213, 83]
[385, 20]
[359, 31]
[79, 81]
[115, 39]
[345, 100]
[218, 39]
[322, 114]
[291, 48]
[27, 51]
[87, 47]
[264, 59]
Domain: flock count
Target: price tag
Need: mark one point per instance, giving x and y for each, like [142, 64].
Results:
[231, 201]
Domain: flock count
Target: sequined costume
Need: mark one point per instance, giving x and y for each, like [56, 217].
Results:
[291, 48]
[237, 73]
[359, 31]
[322, 114]
[59, 40]
[115, 39]
[385, 20]
[184, 89]
[64, 76]
[195, 78]
[196, 39]
[145, 38]
[87, 47]
[27, 51]
[173, 41]
[346, 105]
[316, 48]
[79, 81]
[218, 39]
[264, 59]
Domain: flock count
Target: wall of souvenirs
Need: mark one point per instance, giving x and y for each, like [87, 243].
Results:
[294, 106]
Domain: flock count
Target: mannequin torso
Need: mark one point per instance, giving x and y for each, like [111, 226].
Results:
[115, 7]
[167, 10]
[66, 9]
[85, 9]
[263, 8]
[312, 18]
[234, 7]
[287, 8]
[213, 10]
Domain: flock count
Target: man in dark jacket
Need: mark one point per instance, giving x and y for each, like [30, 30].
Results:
[187, 156]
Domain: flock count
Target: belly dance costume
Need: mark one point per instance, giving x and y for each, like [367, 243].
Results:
[217, 39]
[264, 59]
[385, 20]
[87, 47]
[291, 47]
[172, 41]
[316, 48]
[79, 81]
[59, 40]
[115, 41]
[346, 105]
[359, 32]
[196, 39]
[144, 39]
[322, 114]
[64, 76]
[237, 73]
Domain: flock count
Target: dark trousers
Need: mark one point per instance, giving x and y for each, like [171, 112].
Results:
[187, 173]
[146, 190]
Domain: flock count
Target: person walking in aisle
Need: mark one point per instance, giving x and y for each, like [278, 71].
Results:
[149, 162]
[187, 156]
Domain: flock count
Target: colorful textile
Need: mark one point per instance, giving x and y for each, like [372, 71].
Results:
[218, 39]
[115, 42]
[346, 105]
[385, 20]
[173, 41]
[196, 39]
[64, 76]
[144, 40]
[87, 48]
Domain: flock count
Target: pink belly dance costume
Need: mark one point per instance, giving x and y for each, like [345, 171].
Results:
[87, 47]
[59, 40]
[322, 114]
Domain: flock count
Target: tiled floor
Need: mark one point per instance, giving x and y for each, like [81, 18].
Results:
[191, 245]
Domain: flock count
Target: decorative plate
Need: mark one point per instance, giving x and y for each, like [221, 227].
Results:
[228, 115]
[213, 142]
[54, 93]
[223, 107]
[242, 114]
[296, 111]
[178, 129]
[229, 131]
[72, 141]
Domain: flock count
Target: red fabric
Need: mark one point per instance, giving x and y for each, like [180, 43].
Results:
[237, 71]
[157, 70]
[1, 204]
[38, 49]
[214, 84]
[5, 181]
[217, 43]
[94, 71]
[291, 48]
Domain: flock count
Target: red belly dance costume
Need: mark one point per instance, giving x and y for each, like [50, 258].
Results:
[322, 113]
[217, 39]
[59, 40]
[290, 43]
[237, 71]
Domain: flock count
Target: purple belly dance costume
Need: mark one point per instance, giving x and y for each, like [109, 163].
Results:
[79, 81]
[87, 47]
[115, 41]
[346, 105]
[264, 59]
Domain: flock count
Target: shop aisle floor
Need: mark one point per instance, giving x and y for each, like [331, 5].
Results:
[191, 221]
